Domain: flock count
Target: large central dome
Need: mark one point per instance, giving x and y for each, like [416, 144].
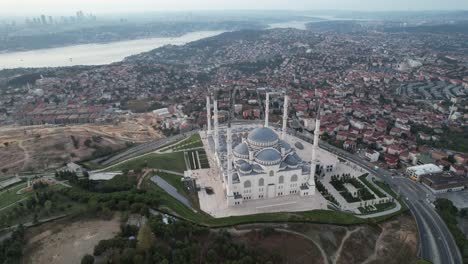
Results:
[262, 137]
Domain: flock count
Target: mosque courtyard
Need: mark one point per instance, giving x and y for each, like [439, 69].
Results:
[212, 194]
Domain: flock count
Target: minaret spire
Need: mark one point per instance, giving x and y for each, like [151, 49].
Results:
[229, 160]
[216, 127]
[267, 109]
[208, 116]
[313, 161]
[285, 117]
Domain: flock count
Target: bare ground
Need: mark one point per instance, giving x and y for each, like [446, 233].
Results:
[37, 148]
[66, 242]
[394, 241]
[291, 247]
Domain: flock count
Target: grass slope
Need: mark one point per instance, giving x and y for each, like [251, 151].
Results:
[174, 207]
[168, 161]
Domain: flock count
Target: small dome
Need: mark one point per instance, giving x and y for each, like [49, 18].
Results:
[291, 160]
[299, 145]
[268, 156]
[241, 150]
[262, 136]
[245, 168]
[285, 145]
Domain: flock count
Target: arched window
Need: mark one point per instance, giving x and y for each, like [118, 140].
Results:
[247, 184]
[261, 182]
[294, 178]
[272, 173]
[281, 179]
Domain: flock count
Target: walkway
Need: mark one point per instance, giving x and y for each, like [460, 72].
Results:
[171, 191]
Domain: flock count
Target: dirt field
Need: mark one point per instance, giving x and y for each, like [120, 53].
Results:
[394, 241]
[292, 248]
[37, 148]
[65, 242]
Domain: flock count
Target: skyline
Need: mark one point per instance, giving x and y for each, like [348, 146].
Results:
[26, 7]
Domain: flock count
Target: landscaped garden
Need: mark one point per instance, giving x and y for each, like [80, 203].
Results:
[168, 161]
[371, 186]
[361, 193]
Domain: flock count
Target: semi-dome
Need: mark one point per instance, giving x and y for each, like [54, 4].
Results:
[245, 168]
[291, 160]
[268, 156]
[285, 145]
[262, 136]
[257, 168]
[241, 150]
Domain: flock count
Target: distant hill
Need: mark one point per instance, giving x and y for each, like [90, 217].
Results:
[458, 27]
[116, 32]
[337, 26]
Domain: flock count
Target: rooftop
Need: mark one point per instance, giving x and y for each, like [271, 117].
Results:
[424, 169]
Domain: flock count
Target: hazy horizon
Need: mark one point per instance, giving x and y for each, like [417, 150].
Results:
[25, 7]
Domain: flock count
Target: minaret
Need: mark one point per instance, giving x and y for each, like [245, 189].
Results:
[285, 117]
[229, 161]
[313, 162]
[267, 108]
[216, 128]
[208, 116]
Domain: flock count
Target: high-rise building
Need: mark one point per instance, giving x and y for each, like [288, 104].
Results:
[43, 20]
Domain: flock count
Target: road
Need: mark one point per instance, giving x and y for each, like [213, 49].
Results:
[145, 148]
[437, 243]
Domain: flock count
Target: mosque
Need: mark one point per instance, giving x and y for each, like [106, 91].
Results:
[262, 162]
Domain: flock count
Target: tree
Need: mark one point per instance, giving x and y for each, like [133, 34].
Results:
[146, 238]
[87, 259]
[88, 142]
[48, 205]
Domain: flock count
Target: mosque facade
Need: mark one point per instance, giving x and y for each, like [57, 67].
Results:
[259, 163]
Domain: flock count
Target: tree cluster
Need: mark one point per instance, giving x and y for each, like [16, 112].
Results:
[178, 242]
[11, 249]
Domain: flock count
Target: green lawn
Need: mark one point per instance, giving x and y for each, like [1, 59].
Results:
[168, 161]
[371, 186]
[384, 206]
[423, 261]
[19, 214]
[389, 190]
[193, 141]
[172, 206]
[9, 195]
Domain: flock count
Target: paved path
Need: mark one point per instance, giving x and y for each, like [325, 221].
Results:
[171, 190]
[28, 224]
[10, 205]
[343, 241]
[324, 254]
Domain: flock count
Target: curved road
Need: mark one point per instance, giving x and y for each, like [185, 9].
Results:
[437, 243]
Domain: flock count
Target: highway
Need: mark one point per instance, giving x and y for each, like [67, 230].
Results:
[145, 148]
[436, 242]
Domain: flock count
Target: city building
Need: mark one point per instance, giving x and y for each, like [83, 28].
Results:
[444, 181]
[372, 155]
[416, 172]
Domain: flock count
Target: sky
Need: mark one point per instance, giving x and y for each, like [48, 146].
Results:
[18, 7]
